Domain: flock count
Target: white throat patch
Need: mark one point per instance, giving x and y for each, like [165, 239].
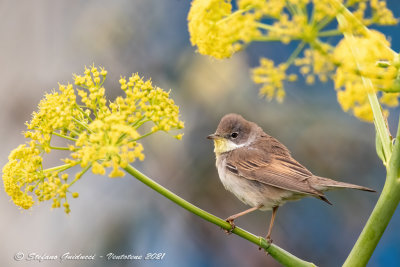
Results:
[223, 145]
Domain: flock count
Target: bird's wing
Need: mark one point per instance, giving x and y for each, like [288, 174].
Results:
[281, 171]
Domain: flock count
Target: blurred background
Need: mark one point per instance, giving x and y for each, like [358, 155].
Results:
[44, 42]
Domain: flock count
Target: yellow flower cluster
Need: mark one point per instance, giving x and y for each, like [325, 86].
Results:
[315, 63]
[288, 28]
[56, 111]
[96, 135]
[24, 174]
[272, 78]
[266, 8]
[219, 30]
[359, 57]
[380, 13]
[377, 10]
[24, 167]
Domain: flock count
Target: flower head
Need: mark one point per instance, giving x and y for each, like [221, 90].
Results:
[359, 57]
[219, 30]
[96, 135]
[272, 78]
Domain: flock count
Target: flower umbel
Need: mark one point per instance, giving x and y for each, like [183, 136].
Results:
[272, 77]
[359, 56]
[96, 136]
[219, 30]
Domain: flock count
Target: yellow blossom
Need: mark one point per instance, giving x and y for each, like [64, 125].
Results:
[97, 134]
[381, 14]
[271, 8]
[219, 30]
[315, 62]
[390, 99]
[358, 57]
[272, 78]
[288, 28]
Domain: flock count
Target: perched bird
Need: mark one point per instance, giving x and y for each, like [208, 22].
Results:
[260, 171]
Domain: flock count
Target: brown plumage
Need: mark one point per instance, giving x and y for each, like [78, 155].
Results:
[260, 171]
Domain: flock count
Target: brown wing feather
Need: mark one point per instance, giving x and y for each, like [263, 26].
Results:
[275, 169]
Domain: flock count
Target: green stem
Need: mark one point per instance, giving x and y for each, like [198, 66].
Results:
[140, 123]
[143, 136]
[65, 136]
[83, 112]
[390, 196]
[269, 27]
[58, 168]
[268, 39]
[276, 252]
[102, 81]
[382, 213]
[236, 13]
[380, 123]
[291, 8]
[59, 148]
[322, 23]
[78, 176]
[83, 125]
[295, 53]
[329, 33]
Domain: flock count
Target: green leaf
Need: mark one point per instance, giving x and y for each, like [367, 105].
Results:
[379, 148]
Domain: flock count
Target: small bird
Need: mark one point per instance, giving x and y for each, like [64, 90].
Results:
[260, 171]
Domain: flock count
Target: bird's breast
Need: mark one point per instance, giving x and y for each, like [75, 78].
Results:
[250, 192]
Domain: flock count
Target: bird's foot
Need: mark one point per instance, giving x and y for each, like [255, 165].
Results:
[230, 220]
[269, 241]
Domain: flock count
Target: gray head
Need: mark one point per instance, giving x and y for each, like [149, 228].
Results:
[233, 132]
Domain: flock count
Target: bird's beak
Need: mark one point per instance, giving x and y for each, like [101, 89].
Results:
[212, 136]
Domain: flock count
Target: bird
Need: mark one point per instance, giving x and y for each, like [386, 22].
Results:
[261, 172]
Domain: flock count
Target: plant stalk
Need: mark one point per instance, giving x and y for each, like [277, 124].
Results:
[382, 213]
[282, 256]
[390, 196]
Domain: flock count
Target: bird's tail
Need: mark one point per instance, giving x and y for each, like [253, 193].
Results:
[324, 184]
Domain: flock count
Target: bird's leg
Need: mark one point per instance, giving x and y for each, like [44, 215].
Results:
[274, 210]
[230, 219]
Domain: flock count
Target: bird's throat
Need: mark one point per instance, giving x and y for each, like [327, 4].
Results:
[222, 145]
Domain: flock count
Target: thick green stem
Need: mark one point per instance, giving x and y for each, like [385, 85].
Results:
[390, 196]
[382, 213]
[282, 256]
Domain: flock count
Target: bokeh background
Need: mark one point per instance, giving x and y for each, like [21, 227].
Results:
[44, 42]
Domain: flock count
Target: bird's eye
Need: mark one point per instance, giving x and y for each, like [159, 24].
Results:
[234, 135]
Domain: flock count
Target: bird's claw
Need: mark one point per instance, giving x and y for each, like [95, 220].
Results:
[269, 241]
[230, 221]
